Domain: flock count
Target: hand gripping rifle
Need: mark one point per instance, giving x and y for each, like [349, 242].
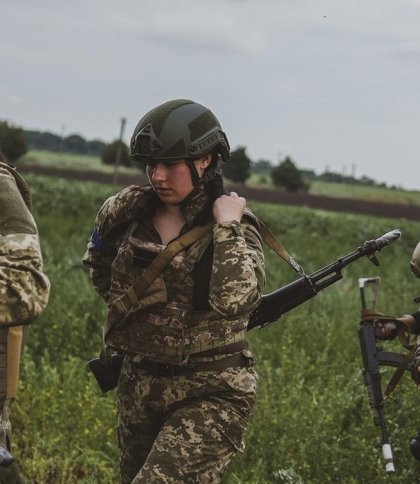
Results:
[374, 357]
[282, 300]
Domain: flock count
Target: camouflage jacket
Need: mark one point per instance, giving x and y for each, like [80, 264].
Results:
[24, 288]
[200, 301]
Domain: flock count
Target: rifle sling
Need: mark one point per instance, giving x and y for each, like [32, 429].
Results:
[130, 298]
[123, 305]
[270, 239]
[394, 380]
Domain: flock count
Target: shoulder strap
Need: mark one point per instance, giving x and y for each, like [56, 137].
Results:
[23, 187]
[270, 239]
[130, 298]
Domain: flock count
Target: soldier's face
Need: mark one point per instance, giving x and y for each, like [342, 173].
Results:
[172, 182]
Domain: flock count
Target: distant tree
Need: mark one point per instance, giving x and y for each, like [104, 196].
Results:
[95, 147]
[238, 168]
[261, 166]
[75, 143]
[109, 153]
[43, 140]
[288, 175]
[308, 174]
[12, 141]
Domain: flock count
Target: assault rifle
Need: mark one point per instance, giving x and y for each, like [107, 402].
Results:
[272, 305]
[374, 357]
[288, 297]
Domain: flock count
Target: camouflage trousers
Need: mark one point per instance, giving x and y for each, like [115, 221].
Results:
[182, 429]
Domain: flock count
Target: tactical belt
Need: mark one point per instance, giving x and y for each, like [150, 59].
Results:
[224, 350]
[160, 369]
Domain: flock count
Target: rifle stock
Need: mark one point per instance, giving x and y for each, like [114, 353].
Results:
[287, 297]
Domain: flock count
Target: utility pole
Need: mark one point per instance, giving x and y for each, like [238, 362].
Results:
[119, 152]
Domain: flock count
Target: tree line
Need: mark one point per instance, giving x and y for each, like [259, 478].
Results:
[16, 141]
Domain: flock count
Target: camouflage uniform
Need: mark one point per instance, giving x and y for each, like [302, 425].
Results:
[183, 409]
[24, 293]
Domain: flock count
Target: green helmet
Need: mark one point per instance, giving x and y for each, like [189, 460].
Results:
[178, 129]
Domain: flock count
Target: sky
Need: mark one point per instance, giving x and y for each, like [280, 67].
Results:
[334, 84]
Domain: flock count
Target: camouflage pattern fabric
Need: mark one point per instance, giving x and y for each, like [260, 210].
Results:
[163, 326]
[24, 291]
[24, 288]
[182, 429]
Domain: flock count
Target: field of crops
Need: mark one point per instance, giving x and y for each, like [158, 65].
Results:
[311, 424]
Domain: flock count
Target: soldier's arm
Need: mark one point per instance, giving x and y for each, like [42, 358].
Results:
[238, 275]
[101, 252]
[24, 288]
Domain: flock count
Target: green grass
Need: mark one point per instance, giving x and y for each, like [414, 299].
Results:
[71, 161]
[311, 423]
[375, 194]
[343, 190]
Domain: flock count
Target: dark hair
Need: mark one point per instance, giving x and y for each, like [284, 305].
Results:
[2, 158]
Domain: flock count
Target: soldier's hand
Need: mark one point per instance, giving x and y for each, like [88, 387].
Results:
[385, 330]
[228, 208]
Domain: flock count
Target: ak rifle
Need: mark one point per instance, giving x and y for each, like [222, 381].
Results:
[286, 298]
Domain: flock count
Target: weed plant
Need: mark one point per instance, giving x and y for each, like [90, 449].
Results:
[311, 423]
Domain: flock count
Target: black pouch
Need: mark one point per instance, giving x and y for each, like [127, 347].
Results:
[106, 375]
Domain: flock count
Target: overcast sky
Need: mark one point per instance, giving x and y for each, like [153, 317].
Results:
[334, 84]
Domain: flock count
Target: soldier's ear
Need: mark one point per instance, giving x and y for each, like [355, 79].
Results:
[202, 163]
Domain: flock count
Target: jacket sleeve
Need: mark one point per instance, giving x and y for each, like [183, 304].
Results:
[238, 275]
[101, 251]
[24, 288]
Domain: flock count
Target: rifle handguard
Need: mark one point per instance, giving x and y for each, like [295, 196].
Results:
[282, 300]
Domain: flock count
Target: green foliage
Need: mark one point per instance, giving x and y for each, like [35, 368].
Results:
[12, 141]
[311, 423]
[262, 167]
[238, 168]
[287, 175]
[74, 143]
[113, 150]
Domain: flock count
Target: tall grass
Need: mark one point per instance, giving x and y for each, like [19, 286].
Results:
[311, 423]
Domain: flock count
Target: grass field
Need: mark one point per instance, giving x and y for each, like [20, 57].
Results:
[71, 161]
[84, 162]
[311, 423]
[342, 190]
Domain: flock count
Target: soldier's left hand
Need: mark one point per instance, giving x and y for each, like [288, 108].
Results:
[228, 208]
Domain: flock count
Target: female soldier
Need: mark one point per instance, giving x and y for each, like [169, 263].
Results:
[187, 383]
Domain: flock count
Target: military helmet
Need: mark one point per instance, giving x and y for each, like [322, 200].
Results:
[415, 261]
[175, 130]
